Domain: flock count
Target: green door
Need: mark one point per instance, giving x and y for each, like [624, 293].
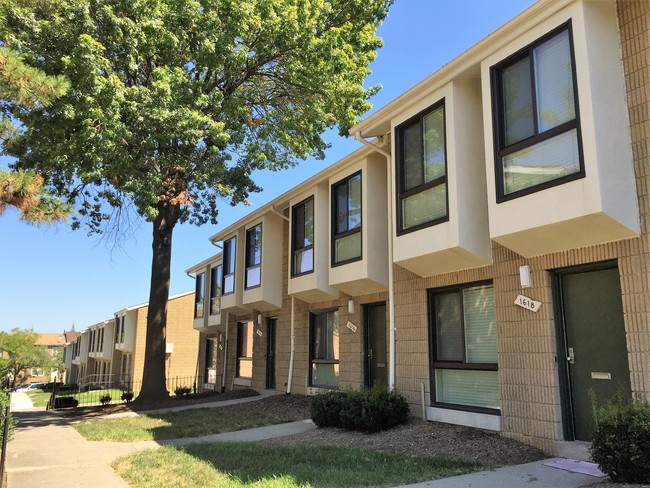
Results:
[376, 371]
[595, 351]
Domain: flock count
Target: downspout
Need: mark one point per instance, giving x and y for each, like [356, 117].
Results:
[225, 354]
[391, 285]
[293, 346]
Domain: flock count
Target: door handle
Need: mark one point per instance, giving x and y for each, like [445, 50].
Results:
[571, 357]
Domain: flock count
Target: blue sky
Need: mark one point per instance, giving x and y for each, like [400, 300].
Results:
[53, 277]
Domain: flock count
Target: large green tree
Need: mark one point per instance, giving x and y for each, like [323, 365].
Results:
[20, 353]
[173, 104]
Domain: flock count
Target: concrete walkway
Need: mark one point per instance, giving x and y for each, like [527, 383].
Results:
[47, 451]
[20, 401]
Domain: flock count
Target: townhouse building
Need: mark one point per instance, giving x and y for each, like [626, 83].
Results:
[111, 352]
[486, 251]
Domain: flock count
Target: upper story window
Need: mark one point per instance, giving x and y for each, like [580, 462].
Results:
[537, 127]
[216, 277]
[422, 170]
[199, 295]
[229, 266]
[463, 342]
[346, 220]
[302, 237]
[253, 276]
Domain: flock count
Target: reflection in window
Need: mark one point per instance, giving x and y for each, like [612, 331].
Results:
[346, 219]
[302, 241]
[324, 349]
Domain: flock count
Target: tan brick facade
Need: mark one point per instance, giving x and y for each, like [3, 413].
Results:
[182, 363]
[527, 346]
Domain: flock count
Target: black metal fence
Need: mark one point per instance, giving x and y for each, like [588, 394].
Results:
[98, 391]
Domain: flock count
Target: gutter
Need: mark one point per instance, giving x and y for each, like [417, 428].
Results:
[391, 285]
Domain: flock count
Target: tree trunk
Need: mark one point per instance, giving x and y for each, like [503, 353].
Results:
[154, 387]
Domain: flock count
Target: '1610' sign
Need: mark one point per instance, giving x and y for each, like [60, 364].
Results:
[528, 303]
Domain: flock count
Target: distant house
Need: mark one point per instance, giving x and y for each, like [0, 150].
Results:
[112, 351]
[54, 345]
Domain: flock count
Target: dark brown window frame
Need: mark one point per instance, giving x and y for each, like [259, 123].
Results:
[199, 280]
[219, 280]
[295, 250]
[399, 170]
[499, 126]
[335, 236]
[313, 360]
[229, 247]
[434, 363]
[247, 262]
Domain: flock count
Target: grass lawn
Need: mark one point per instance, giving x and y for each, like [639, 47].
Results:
[39, 397]
[173, 425]
[233, 465]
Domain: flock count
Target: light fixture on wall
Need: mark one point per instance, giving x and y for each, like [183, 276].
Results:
[259, 319]
[351, 306]
[525, 278]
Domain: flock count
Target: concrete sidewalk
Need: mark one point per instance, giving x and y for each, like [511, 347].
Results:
[48, 451]
[531, 475]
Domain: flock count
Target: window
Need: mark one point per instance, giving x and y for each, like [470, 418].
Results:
[346, 220]
[229, 266]
[537, 133]
[464, 348]
[123, 328]
[302, 237]
[216, 275]
[253, 276]
[100, 341]
[422, 170]
[324, 349]
[198, 295]
[245, 349]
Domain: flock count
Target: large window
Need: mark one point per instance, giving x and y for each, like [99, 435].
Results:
[346, 220]
[537, 130]
[463, 344]
[245, 349]
[216, 276]
[302, 237]
[199, 295]
[253, 276]
[324, 349]
[422, 170]
[229, 266]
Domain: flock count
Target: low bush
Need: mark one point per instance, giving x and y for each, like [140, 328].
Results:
[182, 391]
[363, 410]
[325, 408]
[621, 441]
[65, 402]
[127, 396]
[105, 399]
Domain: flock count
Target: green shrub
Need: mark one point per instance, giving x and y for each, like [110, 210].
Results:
[105, 399]
[373, 410]
[621, 442]
[325, 408]
[4, 402]
[182, 391]
[65, 402]
[127, 396]
[364, 410]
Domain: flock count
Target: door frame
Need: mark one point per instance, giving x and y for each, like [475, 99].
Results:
[566, 401]
[366, 339]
